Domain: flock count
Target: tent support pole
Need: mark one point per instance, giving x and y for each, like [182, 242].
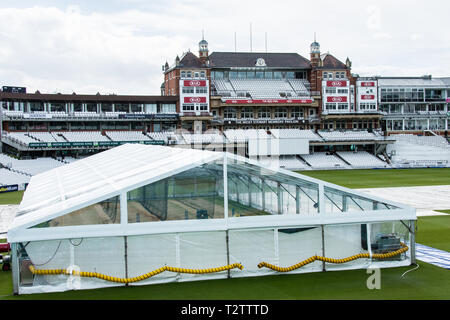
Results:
[249, 192]
[279, 199]
[412, 225]
[228, 252]
[369, 240]
[15, 268]
[126, 257]
[263, 195]
[323, 247]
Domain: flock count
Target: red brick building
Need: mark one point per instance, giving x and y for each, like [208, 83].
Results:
[266, 90]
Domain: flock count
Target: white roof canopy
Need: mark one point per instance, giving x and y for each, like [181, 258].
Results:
[102, 176]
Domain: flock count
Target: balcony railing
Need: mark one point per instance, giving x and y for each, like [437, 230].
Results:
[81, 115]
[435, 98]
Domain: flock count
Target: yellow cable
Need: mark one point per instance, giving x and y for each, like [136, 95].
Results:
[213, 270]
[134, 279]
[330, 260]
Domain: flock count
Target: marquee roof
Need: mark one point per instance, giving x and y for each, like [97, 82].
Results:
[102, 176]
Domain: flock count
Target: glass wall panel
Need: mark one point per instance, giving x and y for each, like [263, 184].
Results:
[150, 108]
[136, 107]
[233, 74]
[91, 107]
[77, 107]
[387, 237]
[193, 194]
[168, 108]
[57, 107]
[106, 107]
[104, 212]
[36, 106]
[277, 75]
[121, 107]
[256, 191]
[337, 201]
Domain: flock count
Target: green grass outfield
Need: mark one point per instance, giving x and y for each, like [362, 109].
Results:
[382, 178]
[370, 178]
[427, 282]
[11, 197]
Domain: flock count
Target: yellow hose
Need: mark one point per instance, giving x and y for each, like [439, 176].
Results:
[134, 279]
[330, 260]
[213, 270]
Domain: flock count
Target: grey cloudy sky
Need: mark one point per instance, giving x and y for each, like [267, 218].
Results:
[119, 46]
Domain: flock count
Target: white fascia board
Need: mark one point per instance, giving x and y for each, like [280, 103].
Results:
[319, 182]
[320, 219]
[232, 223]
[42, 215]
[57, 233]
[110, 230]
